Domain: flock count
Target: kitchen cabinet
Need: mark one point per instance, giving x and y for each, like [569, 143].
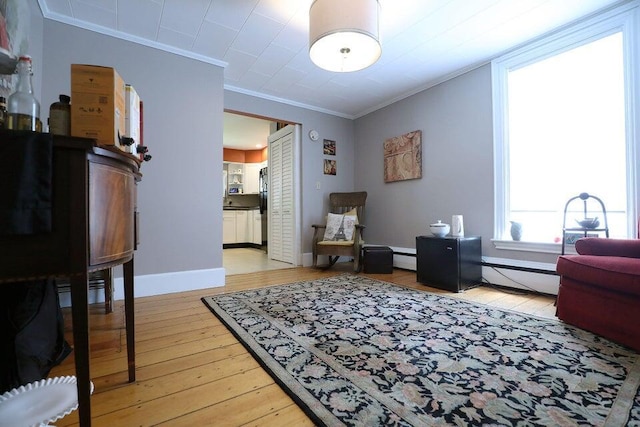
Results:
[229, 227]
[251, 174]
[241, 226]
[235, 178]
[244, 232]
[257, 227]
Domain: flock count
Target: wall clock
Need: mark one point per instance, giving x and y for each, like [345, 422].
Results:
[313, 134]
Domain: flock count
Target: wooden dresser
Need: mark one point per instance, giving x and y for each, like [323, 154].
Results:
[94, 226]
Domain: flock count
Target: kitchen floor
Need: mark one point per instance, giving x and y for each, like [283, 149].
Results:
[248, 260]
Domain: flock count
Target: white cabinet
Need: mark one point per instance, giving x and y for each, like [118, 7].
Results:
[243, 178]
[229, 227]
[252, 174]
[244, 232]
[257, 227]
[242, 226]
[235, 178]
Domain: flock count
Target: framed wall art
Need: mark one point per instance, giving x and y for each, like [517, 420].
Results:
[329, 147]
[403, 157]
[329, 167]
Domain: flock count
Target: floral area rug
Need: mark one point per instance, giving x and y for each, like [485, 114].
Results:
[356, 351]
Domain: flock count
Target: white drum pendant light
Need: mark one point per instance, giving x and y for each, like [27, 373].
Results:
[344, 34]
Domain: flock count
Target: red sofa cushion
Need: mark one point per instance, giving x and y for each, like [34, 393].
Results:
[608, 247]
[618, 274]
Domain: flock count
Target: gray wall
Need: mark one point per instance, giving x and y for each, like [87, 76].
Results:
[180, 195]
[314, 201]
[35, 48]
[457, 177]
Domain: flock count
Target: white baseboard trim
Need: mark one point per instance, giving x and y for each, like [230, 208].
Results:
[536, 282]
[406, 262]
[158, 284]
[400, 261]
[168, 283]
[307, 259]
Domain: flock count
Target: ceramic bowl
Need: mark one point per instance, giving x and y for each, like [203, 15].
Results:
[589, 222]
[439, 229]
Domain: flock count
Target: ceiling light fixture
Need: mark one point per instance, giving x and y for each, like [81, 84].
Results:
[344, 34]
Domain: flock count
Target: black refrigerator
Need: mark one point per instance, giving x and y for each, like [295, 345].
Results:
[263, 191]
[449, 263]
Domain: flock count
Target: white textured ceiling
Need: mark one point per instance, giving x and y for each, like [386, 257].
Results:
[244, 132]
[263, 44]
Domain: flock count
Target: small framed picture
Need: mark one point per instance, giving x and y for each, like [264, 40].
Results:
[571, 238]
[329, 147]
[329, 167]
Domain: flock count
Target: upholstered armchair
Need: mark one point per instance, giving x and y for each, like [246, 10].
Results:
[342, 235]
[600, 289]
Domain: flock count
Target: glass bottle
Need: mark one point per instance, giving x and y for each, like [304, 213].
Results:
[60, 116]
[3, 112]
[23, 107]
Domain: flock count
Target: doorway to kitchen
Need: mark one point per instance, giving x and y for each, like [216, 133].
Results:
[249, 260]
[246, 180]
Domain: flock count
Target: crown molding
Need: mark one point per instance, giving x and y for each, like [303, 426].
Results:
[287, 101]
[47, 14]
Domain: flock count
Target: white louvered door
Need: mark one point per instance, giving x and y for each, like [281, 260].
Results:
[287, 199]
[281, 199]
[275, 200]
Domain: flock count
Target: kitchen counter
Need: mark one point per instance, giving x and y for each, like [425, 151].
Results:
[240, 208]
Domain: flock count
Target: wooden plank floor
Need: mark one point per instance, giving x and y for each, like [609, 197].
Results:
[192, 371]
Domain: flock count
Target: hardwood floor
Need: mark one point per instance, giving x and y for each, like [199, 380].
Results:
[192, 371]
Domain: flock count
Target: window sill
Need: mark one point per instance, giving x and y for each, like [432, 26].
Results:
[547, 248]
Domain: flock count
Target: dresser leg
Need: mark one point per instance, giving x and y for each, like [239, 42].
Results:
[80, 312]
[129, 318]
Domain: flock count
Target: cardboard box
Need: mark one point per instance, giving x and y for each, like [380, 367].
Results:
[97, 104]
[132, 118]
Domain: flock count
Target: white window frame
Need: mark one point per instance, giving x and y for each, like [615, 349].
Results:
[624, 19]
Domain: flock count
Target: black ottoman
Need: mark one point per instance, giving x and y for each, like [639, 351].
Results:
[378, 259]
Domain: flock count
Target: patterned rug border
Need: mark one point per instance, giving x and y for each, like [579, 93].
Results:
[318, 413]
[241, 336]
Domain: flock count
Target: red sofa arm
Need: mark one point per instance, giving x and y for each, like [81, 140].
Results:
[629, 248]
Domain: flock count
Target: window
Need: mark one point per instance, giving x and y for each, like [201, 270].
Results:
[564, 124]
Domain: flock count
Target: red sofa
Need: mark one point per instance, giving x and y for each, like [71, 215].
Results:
[600, 289]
